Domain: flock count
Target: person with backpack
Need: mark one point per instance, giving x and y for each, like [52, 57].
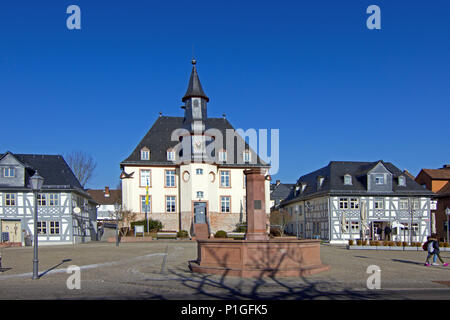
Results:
[432, 246]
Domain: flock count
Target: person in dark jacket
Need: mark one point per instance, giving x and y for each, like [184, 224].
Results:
[437, 252]
[387, 233]
[379, 232]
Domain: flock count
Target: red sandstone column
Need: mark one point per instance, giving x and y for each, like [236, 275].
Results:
[256, 205]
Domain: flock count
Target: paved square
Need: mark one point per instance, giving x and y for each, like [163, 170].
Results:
[159, 270]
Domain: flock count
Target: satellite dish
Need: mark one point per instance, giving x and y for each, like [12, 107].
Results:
[77, 210]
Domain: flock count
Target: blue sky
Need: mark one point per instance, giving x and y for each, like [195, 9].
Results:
[334, 89]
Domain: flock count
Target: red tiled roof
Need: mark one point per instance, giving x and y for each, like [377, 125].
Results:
[99, 196]
[440, 174]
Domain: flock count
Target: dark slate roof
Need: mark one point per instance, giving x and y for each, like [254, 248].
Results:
[53, 168]
[333, 182]
[158, 140]
[280, 191]
[194, 88]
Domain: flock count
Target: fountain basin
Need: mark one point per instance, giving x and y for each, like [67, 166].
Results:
[258, 258]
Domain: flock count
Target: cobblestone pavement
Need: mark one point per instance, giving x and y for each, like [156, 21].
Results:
[159, 270]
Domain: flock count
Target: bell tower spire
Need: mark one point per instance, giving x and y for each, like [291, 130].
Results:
[195, 101]
[195, 114]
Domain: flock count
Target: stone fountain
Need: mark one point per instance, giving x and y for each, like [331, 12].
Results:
[257, 255]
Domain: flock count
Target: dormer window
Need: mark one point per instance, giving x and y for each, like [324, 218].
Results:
[247, 156]
[9, 172]
[379, 179]
[320, 181]
[348, 180]
[145, 154]
[170, 155]
[402, 181]
[303, 187]
[222, 155]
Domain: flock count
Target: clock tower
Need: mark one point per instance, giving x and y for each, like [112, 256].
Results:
[195, 113]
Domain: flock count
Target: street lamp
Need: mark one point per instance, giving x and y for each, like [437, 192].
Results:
[117, 208]
[36, 182]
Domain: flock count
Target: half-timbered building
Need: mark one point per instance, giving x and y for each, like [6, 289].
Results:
[58, 220]
[358, 200]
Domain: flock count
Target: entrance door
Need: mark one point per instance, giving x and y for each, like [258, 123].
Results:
[199, 212]
[13, 228]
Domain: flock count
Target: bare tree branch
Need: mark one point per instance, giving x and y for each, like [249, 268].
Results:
[82, 165]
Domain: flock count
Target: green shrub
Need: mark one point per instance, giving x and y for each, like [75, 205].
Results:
[418, 244]
[398, 243]
[404, 243]
[350, 242]
[220, 234]
[441, 244]
[359, 242]
[390, 243]
[446, 245]
[241, 227]
[182, 234]
[154, 225]
[364, 242]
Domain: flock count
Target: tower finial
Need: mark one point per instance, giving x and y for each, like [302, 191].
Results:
[193, 61]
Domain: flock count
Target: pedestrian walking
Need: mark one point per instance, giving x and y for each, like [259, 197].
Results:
[437, 252]
[433, 250]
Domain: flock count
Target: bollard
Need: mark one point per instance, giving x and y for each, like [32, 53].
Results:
[1, 269]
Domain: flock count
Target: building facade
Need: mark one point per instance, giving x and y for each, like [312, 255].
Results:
[192, 168]
[109, 201]
[358, 200]
[58, 220]
[438, 181]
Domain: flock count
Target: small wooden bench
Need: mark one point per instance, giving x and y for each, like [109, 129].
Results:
[166, 235]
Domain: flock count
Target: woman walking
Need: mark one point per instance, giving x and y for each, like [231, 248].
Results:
[433, 250]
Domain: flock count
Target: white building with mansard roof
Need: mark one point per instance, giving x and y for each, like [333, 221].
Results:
[194, 168]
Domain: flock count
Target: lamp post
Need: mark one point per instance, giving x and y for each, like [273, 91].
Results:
[117, 208]
[36, 182]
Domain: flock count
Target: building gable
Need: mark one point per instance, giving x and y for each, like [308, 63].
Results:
[379, 178]
[12, 171]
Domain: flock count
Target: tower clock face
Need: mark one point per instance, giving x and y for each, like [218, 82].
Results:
[197, 142]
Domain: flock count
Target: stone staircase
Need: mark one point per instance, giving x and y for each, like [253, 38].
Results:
[201, 231]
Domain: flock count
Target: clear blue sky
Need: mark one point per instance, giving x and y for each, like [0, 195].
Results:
[336, 90]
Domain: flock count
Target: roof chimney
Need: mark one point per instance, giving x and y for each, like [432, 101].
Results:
[107, 194]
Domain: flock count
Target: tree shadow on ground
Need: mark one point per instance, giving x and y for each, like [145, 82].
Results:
[226, 287]
[267, 285]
